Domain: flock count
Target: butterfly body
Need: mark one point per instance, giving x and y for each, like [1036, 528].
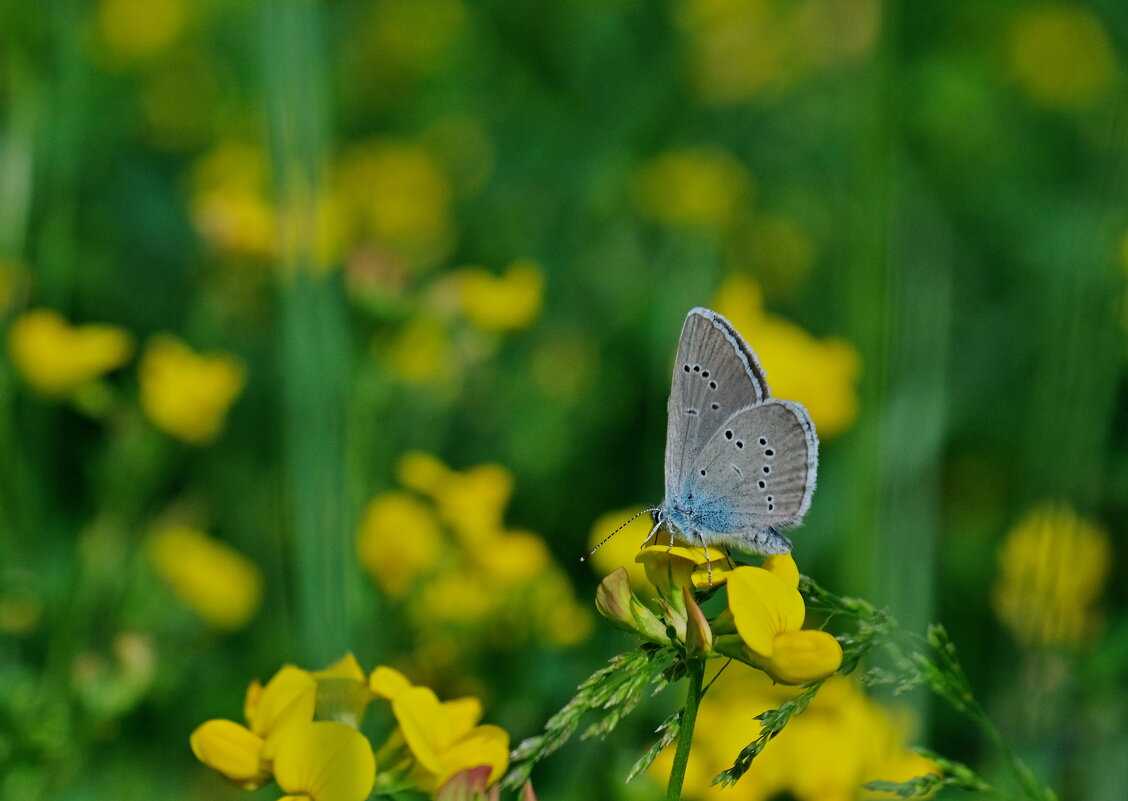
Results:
[739, 463]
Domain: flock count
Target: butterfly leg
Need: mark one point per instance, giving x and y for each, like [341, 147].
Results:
[708, 558]
[653, 531]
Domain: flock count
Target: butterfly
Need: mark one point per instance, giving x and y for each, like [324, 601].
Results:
[740, 464]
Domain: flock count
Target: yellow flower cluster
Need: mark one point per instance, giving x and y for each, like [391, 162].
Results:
[56, 358]
[820, 374]
[139, 30]
[762, 625]
[185, 393]
[499, 304]
[694, 188]
[433, 348]
[841, 741]
[1061, 56]
[1053, 566]
[391, 195]
[301, 733]
[444, 551]
[213, 579]
[742, 49]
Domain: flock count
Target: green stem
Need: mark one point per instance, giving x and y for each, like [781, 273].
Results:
[696, 674]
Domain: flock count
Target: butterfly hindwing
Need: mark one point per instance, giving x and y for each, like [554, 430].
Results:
[758, 468]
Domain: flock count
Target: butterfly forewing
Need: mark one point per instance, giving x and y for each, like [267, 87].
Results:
[760, 466]
[715, 375]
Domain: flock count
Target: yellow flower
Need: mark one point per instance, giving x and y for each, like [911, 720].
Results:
[230, 206]
[216, 581]
[137, 30]
[699, 188]
[1053, 566]
[500, 304]
[399, 541]
[387, 683]
[422, 353]
[768, 612]
[414, 33]
[670, 569]
[244, 754]
[402, 198]
[56, 358]
[325, 761]
[188, 394]
[1061, 56]
[445, 739]
[342, 691]
[472, 502]
[423, 473]
[475, 570]
[820, 374]
[841, 741]
[740, 49]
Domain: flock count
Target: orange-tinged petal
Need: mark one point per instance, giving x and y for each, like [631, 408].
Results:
[325, 760]
[231, 749]
[763, 607]
[288, 697]
[387, 682]
[484, 745]
[803, 656]
[782, 565]
[698, 635]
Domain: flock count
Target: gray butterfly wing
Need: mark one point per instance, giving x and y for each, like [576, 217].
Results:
[757, 472]
[715, 375]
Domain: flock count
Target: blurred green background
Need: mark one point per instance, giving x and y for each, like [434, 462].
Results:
[387, 295]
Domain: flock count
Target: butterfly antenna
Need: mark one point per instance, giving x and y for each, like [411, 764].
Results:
[587, 555]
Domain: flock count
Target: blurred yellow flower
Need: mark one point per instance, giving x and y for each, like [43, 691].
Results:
[697, 188]
[423, 473]
[413, 33]
[1061, 56]
[820, 374]
[138, 30]
[244, 754]
[220, 584]
[402, 199]
[504, 303]
[185, 393]
[841, 741]
[230, 206]
[421, 353]
[56, 358]
[399, 541]
[464, 577]
[325, 761]
[741, 49]
[1053, 566]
